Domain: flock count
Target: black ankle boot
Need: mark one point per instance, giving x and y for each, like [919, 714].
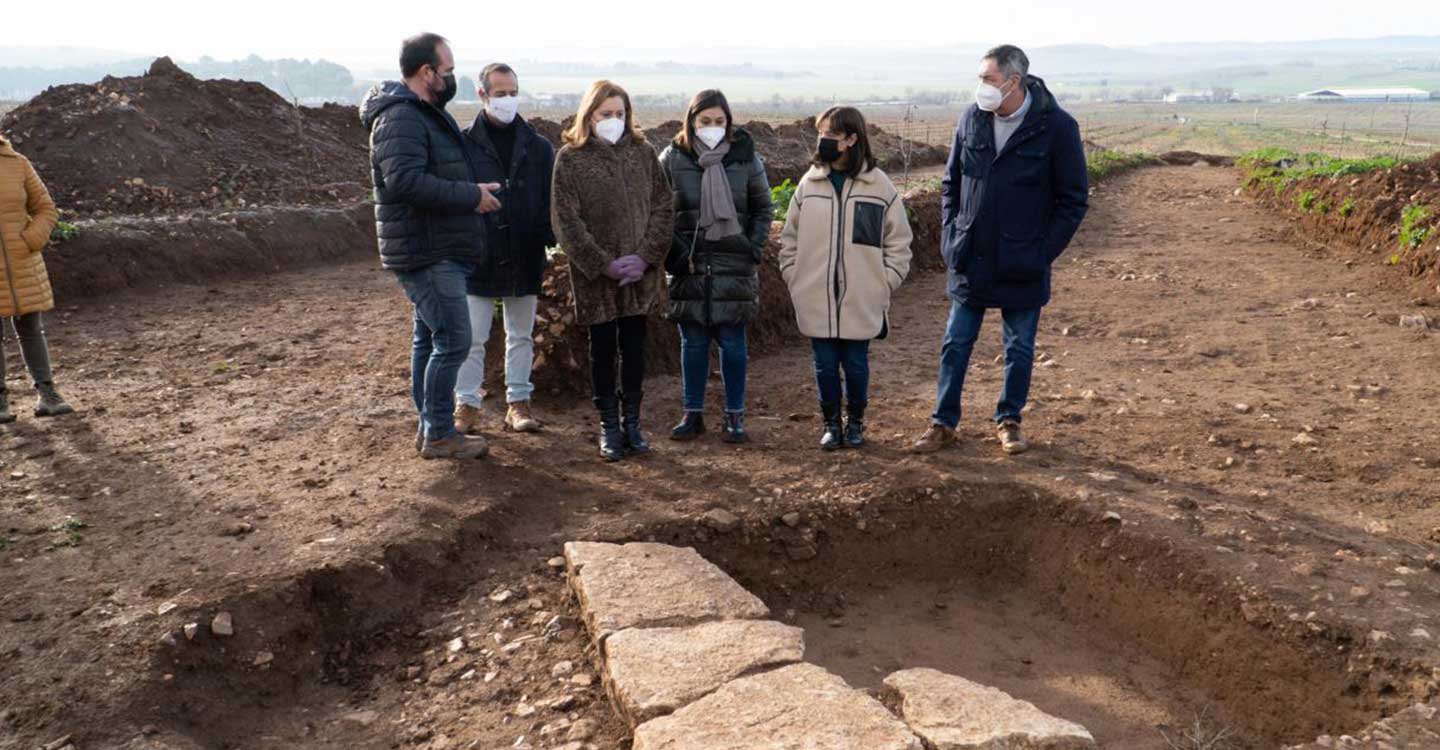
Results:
[855, 426]
[734, 428]
[5, 416]
[50, 404]
[612, 440]
[635, 440]
[691, 426]
[833, 438]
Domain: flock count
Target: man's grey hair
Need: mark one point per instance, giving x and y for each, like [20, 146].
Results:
[496, 67]
[1011, 60]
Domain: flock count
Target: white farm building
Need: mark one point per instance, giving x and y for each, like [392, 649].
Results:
[1365, 95]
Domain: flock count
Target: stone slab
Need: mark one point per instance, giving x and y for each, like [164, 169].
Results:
[646, 585]
[799, 707]
[953, 713]
[652, 672]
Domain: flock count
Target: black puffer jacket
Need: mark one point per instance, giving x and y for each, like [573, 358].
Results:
[717, 283]
[515, 236]
[425, 186]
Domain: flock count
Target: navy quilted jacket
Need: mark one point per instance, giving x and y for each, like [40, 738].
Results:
[1009, 215]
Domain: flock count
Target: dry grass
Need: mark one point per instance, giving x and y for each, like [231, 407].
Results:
[1202, 734]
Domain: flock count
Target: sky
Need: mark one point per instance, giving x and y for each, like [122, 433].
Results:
[365, 32]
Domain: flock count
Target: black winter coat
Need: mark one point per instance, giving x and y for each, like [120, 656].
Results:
[516, 236]
[1008, 216]
[717, 283]
[425, 186]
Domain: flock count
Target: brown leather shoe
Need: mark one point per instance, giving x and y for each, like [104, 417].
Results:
[936, 436]
[468, 419]
[456, 446]
[1010, 439]
[518, 419]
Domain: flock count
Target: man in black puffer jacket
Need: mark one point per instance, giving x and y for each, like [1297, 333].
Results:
[427, 219]
[714, 280]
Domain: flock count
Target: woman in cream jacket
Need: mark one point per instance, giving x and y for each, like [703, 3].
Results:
[844, 251]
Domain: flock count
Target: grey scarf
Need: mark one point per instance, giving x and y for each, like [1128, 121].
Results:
[717, 205]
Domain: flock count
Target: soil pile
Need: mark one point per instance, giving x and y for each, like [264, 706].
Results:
[1366, 212]
[167, 140]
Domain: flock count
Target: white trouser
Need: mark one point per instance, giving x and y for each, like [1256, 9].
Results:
[519, 349]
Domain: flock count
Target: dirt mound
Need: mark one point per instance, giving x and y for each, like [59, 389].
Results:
[926, 222]
[1365, 213]
[1191, 158]
[151, 252]
[167, 140]
[548, 129]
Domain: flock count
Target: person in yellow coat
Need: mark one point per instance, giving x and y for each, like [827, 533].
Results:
[27, 216]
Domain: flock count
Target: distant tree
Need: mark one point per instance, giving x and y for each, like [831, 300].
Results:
[466, 90]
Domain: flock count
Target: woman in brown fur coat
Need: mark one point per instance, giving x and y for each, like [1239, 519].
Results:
[612, 215]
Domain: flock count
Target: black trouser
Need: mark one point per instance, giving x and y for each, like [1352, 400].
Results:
[625, 337]
[30, 329]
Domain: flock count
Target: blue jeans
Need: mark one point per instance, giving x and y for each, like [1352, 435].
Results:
[833, 355]
[695, 363]
[960, 334]
[441, 343]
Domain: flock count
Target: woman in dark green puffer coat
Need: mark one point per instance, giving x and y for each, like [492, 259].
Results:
[722, 221]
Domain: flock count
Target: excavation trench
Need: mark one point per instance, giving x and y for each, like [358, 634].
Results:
[1127, 633]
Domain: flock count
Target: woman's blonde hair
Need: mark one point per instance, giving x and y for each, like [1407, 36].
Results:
[578, 134]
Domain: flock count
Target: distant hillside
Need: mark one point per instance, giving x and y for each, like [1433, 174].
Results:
[309, 81]
[921, 74]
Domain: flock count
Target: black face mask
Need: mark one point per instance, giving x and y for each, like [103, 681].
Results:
[829, 150]
[451, 87]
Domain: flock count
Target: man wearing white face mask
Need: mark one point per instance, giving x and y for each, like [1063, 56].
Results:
[507, 150]
[1014, 193]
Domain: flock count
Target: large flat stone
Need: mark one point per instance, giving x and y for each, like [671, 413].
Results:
[953, 713]
[651, 672]
[644, 585]
[799, 707]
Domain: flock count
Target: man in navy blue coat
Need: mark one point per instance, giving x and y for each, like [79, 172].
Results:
[1014, 193]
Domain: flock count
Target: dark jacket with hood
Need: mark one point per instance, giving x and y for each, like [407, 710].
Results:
[1009, 215]
[425, 186]
[717, 282]
[516, 236]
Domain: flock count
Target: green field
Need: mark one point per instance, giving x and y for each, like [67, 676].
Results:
[1341, 130]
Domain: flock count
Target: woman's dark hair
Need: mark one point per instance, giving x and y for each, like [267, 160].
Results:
[418, 51]
[848, 121]
[699, 103]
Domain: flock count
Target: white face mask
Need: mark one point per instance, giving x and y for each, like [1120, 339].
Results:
[710, 136]
[503, 108]
[988, 97]
[611, 129]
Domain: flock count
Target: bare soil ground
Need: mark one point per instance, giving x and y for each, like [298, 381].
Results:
[1162, 553]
